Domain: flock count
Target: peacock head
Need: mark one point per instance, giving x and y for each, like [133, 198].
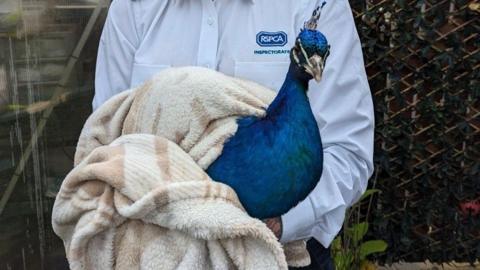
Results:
[311, 48]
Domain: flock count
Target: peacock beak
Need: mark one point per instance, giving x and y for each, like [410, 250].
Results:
[314, 64]
[316, 67]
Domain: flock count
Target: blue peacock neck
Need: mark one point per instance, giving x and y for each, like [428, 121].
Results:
[292, 95]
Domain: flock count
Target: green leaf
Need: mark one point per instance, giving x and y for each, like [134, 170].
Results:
[343, 260]
[13, 17]
[372, 246]
[369, 192]
[337, 243]
[13, 107]
[357, 232]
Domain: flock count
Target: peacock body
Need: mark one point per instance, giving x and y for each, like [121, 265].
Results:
[275, 161]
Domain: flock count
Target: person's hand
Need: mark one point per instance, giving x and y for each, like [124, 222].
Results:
[275, 225]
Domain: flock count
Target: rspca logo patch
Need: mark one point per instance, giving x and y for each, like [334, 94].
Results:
[272, 39]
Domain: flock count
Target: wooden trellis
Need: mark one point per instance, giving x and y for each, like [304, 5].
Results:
[422, 60]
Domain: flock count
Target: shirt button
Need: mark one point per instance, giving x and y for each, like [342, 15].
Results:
[210, 21]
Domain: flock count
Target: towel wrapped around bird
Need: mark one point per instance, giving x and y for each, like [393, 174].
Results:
[139, 197]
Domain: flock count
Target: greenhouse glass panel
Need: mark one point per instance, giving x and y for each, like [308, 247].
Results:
[47, 65]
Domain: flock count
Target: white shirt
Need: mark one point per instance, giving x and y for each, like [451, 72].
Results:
[141, 37]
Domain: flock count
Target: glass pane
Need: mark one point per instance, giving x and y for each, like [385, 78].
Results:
[47, 61]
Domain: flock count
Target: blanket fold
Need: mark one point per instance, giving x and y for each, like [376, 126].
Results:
[138, 196]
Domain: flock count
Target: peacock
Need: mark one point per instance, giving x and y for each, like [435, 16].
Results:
[273, 162]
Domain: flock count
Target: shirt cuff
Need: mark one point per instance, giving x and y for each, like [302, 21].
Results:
[329, 226]
[325, 231]
[297, 223]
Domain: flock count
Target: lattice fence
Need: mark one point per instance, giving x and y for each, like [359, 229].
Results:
[422, 59]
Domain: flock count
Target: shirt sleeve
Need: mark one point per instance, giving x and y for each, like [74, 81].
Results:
[116, 51]
[342, 105]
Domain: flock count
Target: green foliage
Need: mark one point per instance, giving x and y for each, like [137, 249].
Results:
[11, 19]
[371, 247]
[349, 251]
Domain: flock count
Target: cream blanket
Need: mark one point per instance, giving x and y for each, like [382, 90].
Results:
[138, 196]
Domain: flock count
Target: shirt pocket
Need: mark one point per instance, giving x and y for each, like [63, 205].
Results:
[269, 74]
[143, 72]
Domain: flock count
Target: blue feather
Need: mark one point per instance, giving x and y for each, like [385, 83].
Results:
[274, 162]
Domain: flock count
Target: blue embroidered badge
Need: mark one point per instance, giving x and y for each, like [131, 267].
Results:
[272, 39]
